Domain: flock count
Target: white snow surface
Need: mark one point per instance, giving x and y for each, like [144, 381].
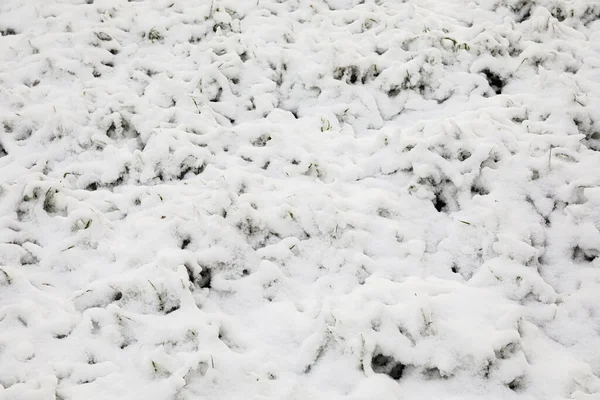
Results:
[303, 199]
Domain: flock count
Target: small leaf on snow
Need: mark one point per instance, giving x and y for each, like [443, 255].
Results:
[103, 36]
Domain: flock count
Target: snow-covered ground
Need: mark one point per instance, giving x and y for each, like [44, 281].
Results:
[303, 199]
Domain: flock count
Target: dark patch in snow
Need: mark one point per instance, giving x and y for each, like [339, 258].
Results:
[494, 80]
[7, 32]
[383, 364]
[439, 203]
[582, 255]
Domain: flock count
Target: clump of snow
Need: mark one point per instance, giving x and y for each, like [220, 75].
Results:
[332, 199]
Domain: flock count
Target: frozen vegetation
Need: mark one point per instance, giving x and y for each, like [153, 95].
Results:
[303, 199]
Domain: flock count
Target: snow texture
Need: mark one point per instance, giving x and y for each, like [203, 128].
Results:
[303, 199]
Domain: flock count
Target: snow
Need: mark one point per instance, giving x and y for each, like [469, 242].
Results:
[329, 199]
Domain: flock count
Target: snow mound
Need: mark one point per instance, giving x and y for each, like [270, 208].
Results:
[330, 199]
